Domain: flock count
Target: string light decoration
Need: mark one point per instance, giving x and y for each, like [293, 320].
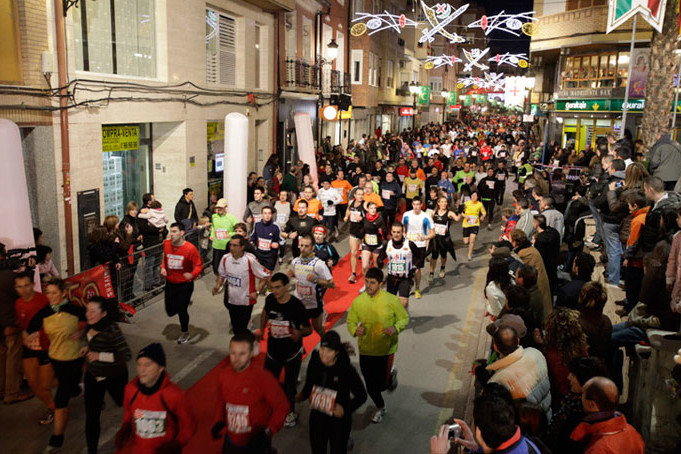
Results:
[380, 22]
[439, 17]
[437, 61]
[515, 60]
[474, 59]
[509, 23]
[490, 81]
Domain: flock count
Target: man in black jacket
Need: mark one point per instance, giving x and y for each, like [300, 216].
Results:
[185, 208]
[582, 269]
[152, 238]
[662, 201]
[547, 242]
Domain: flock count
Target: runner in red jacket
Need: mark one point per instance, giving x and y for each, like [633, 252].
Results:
[156, 417]
[251, 404]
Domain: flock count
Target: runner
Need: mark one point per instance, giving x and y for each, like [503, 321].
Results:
[181, 265]
[288, 323]
[335, 391]
[221, 230]
[413, 186]
[391, 192]
[253, 213]
[251, 407]
[329, 198]
[487, 188]
[473, 215]
[355, 216]
[401, 255]
[34, 359]
[156, 414]
[502, 176]
[298, 225]
[374, 233]
[324, 250]
[419, 229]
[314, 206]
[266, 238]
[376, 318]
[282, 208]
[312, 275]
[343, 187]
[442, 243]
[63, 323]
[106, 356]
[239, 268]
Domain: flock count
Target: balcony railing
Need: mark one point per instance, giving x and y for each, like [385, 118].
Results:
[303, 75]
[335, 82]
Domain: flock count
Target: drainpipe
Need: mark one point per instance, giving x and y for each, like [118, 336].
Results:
[60, 44]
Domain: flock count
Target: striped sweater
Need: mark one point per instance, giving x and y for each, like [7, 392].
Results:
[113, 349]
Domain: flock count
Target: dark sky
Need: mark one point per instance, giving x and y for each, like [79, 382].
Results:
[501, 41]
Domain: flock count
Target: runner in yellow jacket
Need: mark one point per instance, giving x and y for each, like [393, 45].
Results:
[376, 318]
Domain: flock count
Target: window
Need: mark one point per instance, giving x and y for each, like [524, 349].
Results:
[10, 70]
[116, 37]
[357, 56]
[377, 6]
[390, 74]
[595, 71]
[292, 35]
[340, 59]
[256, 56]
[436, 84]
[220, 48]
[380, 72]
[358, 6]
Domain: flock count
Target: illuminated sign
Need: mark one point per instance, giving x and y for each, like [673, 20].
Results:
[407, 112]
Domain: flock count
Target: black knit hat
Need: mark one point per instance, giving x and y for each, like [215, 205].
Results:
[331, 340]
[155, 353]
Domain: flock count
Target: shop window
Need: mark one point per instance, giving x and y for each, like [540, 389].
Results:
[594, 71]
[126, 162]
[220, 48]
[216, 159]
[116, 37]
[10, 70]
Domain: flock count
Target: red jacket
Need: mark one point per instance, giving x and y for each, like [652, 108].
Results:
[248, 402]
[157, 418]
[180, 260]
[486, 153]
[612, 436]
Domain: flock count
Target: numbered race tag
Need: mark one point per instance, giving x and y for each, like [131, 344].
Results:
[238, 419]
[386, 194]
[150, 424]
[323, 399]
[440, 229]
[221, 234]
[490, 184]
[233, 280]
[501, 177]
[257, 218]
[304, 291]
[371, 239]
[397, 267]
[415, 236]
[175, 261]
[280, 329]
[412, 188]
[282, 218]
[471, 220]
[264, 245]
[355, 216]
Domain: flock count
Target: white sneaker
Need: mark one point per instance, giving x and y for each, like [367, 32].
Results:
[183, 339]
[291, 420]
[364, 287]
[378, 416]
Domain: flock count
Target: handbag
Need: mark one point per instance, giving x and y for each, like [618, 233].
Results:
[640, 317]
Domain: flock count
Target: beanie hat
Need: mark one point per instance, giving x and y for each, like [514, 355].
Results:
[331, 340]
[154, 352]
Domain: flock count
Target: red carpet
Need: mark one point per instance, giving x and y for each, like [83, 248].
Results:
[336, 302]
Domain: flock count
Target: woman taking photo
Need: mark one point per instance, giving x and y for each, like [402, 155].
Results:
[355, 215]
[373, 235]
[106, 355]
[335, 391]
[442, 243]
[63, 323]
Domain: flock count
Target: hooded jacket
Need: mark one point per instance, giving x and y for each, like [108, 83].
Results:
[601, 202]
[651, 231]
[665, 159]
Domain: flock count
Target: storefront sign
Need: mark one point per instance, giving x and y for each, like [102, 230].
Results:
[604, 92]
[120, 138]
[599, 105]
[346, 114]
[329, 113]
[407, 111]
[215, 130]
[424, 96]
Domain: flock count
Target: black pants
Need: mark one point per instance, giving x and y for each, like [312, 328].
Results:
[489, 207]
[376, 371]
[389, 218]
[217, 258]
[327, 430]
[633, 281]
[239, 315]
[94, 398]
[177, 299]
[68, 375]
[341, 209]
[259, 444]
[501, 189]
[669, 185]
[291, 372]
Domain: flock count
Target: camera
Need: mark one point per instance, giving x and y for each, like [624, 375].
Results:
[619, 184]
[454, 431]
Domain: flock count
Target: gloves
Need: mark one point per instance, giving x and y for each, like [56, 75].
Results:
[216, 429]
[329, 202]
[123, 435]
[169, 447]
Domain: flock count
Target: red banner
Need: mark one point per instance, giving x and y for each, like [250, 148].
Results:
[93, 282]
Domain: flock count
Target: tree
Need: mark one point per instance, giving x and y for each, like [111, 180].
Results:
[663, 65]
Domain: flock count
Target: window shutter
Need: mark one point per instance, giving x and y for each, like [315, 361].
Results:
[227, 42]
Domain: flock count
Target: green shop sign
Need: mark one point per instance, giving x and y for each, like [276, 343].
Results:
[599, 105]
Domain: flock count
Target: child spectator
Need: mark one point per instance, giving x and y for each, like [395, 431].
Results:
[154, 214]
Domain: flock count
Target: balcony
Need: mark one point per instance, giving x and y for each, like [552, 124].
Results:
[335, 82]
[302, 75]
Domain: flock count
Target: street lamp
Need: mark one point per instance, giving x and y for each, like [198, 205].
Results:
[414, 89]
[332, 50]
[445, 97]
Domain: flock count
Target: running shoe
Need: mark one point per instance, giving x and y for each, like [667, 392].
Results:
[48, 417]
[470, 257]
[364, 287]
[392, 384]
[281, 261]
[417, 294]
[183, 339]
[489, 227]
[442, 273]
[353, 278]
[378, 416]
[431, 276]
[291, 420]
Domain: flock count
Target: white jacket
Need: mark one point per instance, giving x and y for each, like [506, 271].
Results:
[495, 299]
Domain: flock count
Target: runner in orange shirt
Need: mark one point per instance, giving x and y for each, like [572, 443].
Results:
[344, 187]
[371, 196]
[314, 206]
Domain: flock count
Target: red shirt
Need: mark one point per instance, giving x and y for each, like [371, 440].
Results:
[402, 170]
[180, 260]
[248, 402]
[486, 153]
[26, 310]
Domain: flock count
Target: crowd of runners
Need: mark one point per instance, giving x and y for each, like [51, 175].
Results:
[402, 202]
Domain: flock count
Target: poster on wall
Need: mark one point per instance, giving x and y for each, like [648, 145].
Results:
[639, 73]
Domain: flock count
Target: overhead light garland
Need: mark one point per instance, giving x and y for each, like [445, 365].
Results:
[509, 23]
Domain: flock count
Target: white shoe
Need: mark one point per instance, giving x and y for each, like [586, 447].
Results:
[291, 420]
[442, 273]
[364, 287]
[378, 416]
[183, 339]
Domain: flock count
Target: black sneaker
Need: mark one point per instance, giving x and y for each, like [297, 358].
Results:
[392, 384]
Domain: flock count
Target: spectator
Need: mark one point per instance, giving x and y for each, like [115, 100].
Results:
[530, 256]
[633, 255]
[547, 242]
[655, 192]
[665, 159]
[44, 262]
[554, 218]
[498, 280]
[155, 215]
[603, 429]
[524, 222]
[152, 237]
[185, 208]
[582, 269]
[596, 325]
[612, 219]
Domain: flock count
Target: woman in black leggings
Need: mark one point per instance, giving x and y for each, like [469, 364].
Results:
[106, 356]
[63, 323]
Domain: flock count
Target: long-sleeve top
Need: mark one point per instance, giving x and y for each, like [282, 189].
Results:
[59, 322]
[248, 402]
[178, 260]
[113, 351]
[222, 229]
[376, 313]
[264, 234]
[390, 200]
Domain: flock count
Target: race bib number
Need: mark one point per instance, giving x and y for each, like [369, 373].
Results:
[238, 419]
[150, 424]
[397, 267]
[501, 177]
[323, 399]
[490, 184]
[233, 280]
[415, 236]
[282, 218]
[471, 220]
[304, 291]
[371, 239]
[280, 329]
[221, 234]
[355, 216]
[440, 229]
[412, 187]
[264, 245]
[386, 194]
[257, 218]
[175, 261]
